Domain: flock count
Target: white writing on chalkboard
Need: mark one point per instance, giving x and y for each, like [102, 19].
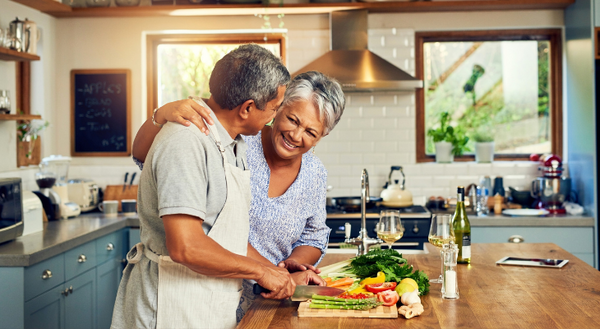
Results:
[100, 88]
[118, 142]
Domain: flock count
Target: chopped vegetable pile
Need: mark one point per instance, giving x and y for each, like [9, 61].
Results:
[388, 261]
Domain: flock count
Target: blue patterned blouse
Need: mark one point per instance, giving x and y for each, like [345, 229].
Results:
[296, 218]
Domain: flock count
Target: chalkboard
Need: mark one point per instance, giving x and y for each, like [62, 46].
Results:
[100, 112]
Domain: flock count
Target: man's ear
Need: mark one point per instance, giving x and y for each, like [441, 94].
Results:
[245, 109]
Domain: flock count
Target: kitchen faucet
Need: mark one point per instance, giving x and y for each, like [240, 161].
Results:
[363, 241]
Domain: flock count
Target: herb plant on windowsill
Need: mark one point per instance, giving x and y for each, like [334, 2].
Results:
[483, 137]
[448, 140]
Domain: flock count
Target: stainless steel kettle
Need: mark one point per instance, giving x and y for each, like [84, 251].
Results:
[16, 35]
[395, 195]
[31, 36]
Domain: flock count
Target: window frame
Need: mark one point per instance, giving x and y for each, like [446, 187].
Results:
[555, 83]
[154, 40]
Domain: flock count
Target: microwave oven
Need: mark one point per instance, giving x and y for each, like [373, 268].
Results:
[11, 209]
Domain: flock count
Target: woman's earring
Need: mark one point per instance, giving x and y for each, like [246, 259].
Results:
[313, 149]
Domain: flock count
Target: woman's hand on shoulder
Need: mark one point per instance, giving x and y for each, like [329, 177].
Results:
[186, 112]
[293, 266]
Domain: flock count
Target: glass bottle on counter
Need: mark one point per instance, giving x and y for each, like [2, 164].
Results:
[462, 228]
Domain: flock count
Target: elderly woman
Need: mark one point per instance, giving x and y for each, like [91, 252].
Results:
[288, 183]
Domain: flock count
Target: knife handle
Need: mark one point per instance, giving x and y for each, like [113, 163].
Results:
[257, 289]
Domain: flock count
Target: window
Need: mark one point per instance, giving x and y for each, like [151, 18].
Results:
[503, 85]
[180, 65]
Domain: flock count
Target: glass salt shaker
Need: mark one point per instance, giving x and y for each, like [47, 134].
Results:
[450, 284]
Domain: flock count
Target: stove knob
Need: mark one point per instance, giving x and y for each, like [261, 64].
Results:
[415, 229]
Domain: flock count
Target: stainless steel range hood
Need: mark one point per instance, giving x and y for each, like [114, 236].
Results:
[352, 64]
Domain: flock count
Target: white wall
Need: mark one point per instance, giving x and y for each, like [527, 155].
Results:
[377, 131]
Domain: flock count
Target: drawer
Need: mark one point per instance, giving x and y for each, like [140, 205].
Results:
[80, 259]
[44, 276]
[110, 246]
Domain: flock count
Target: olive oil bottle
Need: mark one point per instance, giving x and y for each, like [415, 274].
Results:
[462, 228]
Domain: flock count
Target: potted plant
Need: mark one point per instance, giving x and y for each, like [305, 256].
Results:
[448, 140]
[28, 133]
[483, 137]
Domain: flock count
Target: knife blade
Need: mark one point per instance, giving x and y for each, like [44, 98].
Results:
[304, 292]
[125, 181]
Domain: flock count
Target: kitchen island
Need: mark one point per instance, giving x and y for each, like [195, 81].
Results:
[491, 296]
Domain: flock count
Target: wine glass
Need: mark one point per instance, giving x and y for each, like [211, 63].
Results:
[440, 233]
[389, 227]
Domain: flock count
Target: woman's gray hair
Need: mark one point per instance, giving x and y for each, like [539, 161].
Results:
[324, 92]
[247, 72]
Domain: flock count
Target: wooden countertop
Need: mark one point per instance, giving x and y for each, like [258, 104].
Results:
[491, 296]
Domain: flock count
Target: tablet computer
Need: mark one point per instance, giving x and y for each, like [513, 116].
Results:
[538, 262]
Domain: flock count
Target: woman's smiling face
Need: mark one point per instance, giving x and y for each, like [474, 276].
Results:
[297, 128]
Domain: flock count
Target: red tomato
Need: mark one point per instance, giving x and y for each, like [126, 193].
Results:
[379, 287]
[388, 297]
[353, 296]
[534, 157]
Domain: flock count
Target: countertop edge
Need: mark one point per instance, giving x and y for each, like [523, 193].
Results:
[29, 259]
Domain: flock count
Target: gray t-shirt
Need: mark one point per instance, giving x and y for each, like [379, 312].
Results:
[183, 174]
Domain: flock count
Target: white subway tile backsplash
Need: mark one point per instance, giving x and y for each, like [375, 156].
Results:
[420, 181]
[386, 147]
[406, 123]
[396, 134]
[350, 135]
[360, 123]
[382, 32]
[350, 159]
[373, 111]
[457, 168]
[397, 111]
[339, 147]
[407, 147]
[385, 123]
[374, 135]
[432, 169]
[338, 170]
[394, 158]
[483, 169]
[362, 147]
[361, 99]
[384, 99]
[352, 112]
[316, 33]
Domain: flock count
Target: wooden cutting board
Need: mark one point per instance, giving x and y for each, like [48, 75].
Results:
[116, 192]
[390, 312]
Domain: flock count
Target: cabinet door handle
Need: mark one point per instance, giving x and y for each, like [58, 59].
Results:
[47, 274]
[110, 247]
[65, 293]
[70, 289]
[516, 239]
[82, 258]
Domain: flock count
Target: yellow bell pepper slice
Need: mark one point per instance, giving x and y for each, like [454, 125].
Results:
[358, 290]
[379, 279]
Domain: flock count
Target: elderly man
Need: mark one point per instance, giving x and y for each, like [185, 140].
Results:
[193, 206]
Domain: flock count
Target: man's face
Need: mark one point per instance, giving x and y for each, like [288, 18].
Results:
[259, 118]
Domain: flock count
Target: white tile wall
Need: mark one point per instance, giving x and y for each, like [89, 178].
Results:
[377, 130]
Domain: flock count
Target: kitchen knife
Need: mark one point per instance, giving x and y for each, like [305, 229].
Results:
[304, 292]
[132, 178]
[125, 181]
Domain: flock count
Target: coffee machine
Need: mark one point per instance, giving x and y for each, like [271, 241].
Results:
[551, 189]
[52, 181]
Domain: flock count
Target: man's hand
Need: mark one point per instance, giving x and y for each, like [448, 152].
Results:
[308, 278]
[293, 266]
[278, 281]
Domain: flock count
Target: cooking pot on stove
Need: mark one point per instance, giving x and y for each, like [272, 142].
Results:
[395, 195]
[353, 203]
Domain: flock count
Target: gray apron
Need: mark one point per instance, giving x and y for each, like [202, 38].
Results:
[187, 299]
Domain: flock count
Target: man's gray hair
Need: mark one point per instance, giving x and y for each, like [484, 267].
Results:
[324, 92]
[247, 72]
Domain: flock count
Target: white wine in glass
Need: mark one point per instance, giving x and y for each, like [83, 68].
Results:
[389, 228]
[440, 233]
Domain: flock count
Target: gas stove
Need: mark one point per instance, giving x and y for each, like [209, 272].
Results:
[415, 219]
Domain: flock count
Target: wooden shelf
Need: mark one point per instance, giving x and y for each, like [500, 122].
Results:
[16, 56]
[62, 11]
[7, 117]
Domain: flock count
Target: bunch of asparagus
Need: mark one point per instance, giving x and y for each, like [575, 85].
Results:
[327, 302]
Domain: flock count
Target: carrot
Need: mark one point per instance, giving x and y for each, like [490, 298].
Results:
[346, 287]
[328, 280]
[341, 282]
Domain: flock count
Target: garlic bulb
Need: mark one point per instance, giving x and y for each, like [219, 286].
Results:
[409, 298]
[411, 311]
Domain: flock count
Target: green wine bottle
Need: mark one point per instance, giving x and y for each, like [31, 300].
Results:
[462, 228]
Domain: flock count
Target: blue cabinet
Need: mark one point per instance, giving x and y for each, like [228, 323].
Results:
[46, 310]
[76, 289]
[80, 302]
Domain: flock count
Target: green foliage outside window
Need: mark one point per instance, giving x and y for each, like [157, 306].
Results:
[492, 91]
